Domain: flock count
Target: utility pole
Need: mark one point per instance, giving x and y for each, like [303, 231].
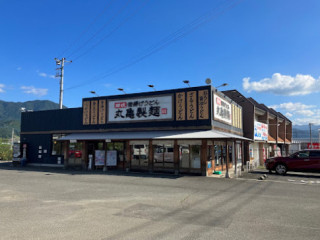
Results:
[12, 137]
[60, 73]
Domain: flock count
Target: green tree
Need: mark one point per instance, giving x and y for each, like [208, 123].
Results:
[5, 150]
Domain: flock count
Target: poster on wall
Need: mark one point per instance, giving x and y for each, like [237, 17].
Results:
[222, 110]
[112, 158]
[99, 157]
[140, 109]
[260, 131]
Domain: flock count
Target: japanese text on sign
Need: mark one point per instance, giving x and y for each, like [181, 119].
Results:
[260, 131]
[222, 110]
[102, 111]
[94, 112]
[192, 105]
[180, 106]
[139, 109]
[203, 104]
[86, 113]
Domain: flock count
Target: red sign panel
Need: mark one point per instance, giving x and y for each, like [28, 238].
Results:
[120, 105]
[314, 146]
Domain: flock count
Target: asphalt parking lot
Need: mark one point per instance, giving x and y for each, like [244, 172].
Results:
[40, 203]
[290, 177]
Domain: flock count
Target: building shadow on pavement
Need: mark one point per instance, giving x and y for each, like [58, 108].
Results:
[259, 172]
[8, 165]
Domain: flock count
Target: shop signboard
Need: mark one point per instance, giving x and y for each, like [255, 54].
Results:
[112, 158]
[99, 157]
[222, 110]
[313, 146]
[260, 131]
[180, 106]
[140, 109]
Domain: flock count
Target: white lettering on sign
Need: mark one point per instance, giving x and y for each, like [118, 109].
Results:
[140, 109]
[222, 110]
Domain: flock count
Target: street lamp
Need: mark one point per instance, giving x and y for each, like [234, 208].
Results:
[122, 90]
[186, 82]
[222, 85]
[94, 93]
[152, 86]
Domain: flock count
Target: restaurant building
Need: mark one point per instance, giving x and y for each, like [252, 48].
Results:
[190, 130]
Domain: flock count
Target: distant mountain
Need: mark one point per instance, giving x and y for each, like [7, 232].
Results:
[303, 131]
[10, 114]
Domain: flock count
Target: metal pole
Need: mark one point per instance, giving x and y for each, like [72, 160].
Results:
[61, 84]
[12, 137]
[310, 136]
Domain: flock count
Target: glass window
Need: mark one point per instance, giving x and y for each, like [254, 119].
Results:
[224, 155]
[57, 148]
[189, 156]
[314, 153]
[119, 146]
[75, 150]
[184, 156]
[195, 156]
[100, 146]
[140, 155]
[230, 154]
[158, 155]
[217, 155]
[303, 154]
[163, 155]
[110, 146]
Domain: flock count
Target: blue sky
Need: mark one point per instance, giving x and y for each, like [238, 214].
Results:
[267, 49]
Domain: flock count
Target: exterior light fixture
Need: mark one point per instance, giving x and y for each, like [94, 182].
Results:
[93, 92]
[186, 82]
[152, 86]
[122, 90]
[222, 85]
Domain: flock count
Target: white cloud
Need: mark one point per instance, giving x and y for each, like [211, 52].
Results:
[284, 85]
[306, 121]
[42, 74]
[1, 88]
[290, 106]
[307, 113]
[299, 113]
[35, 91]
[289, 115]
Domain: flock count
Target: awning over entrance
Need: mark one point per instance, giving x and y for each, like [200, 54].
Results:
[206, 134]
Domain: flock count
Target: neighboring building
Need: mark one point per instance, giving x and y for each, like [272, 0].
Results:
[303, 143]
[270, 131]
[191, 130]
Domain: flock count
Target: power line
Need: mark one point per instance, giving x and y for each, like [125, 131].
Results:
[101, 29]
[87, 28]
[177, 35]
[113, 31]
